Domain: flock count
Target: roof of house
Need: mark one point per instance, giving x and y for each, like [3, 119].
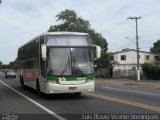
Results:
[127, 50]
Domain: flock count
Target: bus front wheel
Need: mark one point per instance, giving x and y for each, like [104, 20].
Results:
[78, 94]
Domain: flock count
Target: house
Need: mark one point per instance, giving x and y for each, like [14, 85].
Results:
[127, 59]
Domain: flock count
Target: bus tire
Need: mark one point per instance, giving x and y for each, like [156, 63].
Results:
[22, 82]
[38, 88]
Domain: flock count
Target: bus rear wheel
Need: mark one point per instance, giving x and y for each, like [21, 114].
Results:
[38, 88]
[22, 82]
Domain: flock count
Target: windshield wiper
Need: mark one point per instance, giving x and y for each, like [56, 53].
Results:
[68, 63]
[73, 61]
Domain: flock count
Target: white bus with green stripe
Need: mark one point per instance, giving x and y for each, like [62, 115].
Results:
[58, 62]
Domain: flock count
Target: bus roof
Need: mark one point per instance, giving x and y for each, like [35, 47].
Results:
[56, 33]
[64, 33]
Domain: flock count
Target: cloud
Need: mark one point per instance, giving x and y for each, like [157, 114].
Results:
[22, 20]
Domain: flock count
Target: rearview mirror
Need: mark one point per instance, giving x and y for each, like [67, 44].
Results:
[97, 51]
[43, 50]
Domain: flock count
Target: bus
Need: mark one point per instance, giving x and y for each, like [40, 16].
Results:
[58, 62]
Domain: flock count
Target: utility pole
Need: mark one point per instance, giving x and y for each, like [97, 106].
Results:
[137, 46]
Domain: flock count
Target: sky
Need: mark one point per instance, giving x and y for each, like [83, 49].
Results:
[21, 20]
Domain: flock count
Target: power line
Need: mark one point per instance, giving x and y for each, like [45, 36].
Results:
[155, 34]
[116, 25]
[126, 45]
[147, 14]
[145, 42]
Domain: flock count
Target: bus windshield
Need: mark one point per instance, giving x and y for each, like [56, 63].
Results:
[69, 61]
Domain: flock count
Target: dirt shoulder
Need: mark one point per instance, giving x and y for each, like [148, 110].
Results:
[142, 85]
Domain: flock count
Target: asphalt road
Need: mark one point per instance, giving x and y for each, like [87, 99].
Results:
[104, 101]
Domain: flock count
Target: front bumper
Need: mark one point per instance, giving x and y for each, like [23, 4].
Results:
[50, 88]
[10, 75]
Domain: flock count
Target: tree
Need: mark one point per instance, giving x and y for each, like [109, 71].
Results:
[156, 47]
[103, 61]
[151, 71]
[1, 64]
[72, 22]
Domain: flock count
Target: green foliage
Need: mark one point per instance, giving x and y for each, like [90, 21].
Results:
[4, 66]
[156, 47]
[151, 71]
[72, 22]
[103, 61]
[1, 63]
[12, 65]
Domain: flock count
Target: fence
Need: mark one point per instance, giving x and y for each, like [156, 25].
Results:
[116, 74]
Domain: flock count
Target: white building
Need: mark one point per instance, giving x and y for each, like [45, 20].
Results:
[127, 59]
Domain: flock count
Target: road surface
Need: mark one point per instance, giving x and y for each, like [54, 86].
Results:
[104, 102]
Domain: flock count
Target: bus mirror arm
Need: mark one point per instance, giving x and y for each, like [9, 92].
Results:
[43, 51]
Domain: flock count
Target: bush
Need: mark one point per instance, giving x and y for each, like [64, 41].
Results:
[151, 71]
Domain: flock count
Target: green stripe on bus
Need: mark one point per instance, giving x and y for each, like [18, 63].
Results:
[52, 78]
[71, 78]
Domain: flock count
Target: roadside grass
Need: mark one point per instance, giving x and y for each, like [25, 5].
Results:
[133, 80]
[149, 80]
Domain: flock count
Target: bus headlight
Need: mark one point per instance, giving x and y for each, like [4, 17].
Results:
[89, 80]
[53, 81]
